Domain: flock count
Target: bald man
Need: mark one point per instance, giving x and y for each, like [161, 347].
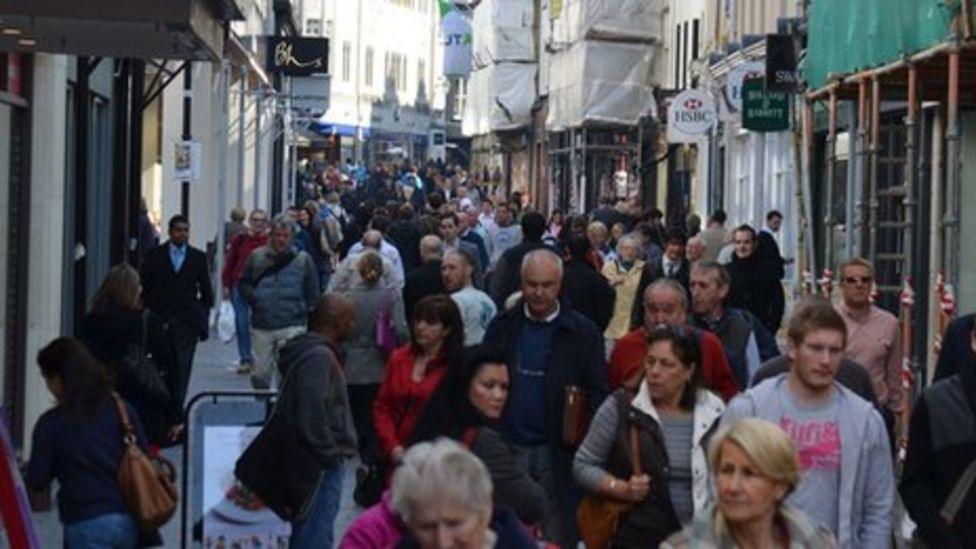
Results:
[552, 350]
[424, 280]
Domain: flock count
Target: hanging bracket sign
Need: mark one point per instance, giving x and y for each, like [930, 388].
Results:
[733, 86]
[294, 56]
[764, 110]
[690, 116]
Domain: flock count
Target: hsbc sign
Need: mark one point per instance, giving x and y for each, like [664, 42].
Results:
[690, 116]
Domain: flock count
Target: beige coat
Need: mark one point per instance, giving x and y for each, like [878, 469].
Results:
[626, 290]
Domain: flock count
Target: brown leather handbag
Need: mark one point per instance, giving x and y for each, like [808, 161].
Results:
[147, 484]
[599, 517]
[576, 416]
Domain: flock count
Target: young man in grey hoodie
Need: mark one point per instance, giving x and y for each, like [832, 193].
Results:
[314, 400]
[848, 483]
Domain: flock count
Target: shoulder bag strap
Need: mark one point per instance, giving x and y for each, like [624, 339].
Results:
[635, 453]
[958, 494]
[633, 435]
[128, 432]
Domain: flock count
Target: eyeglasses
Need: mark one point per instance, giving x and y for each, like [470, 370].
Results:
[854, 280]
[259, 220]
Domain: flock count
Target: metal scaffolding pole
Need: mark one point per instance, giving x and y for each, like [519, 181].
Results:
[911, 159]
[829, 220]
[953, 173]
[863, 159]
[875, 154]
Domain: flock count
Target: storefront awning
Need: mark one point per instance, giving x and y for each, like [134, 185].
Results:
[171, 29]
[328, 129]
[851, 36]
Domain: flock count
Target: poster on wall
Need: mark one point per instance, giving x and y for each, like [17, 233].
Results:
[187, 161]
[234, 517]
[456, 30]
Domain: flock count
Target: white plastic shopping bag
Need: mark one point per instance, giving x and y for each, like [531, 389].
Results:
[225, 321]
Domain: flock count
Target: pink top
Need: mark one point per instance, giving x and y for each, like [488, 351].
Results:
[875, 343]
[377, 528]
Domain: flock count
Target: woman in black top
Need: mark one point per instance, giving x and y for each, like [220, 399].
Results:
[467, 406]
[115, 331]
[79, 443]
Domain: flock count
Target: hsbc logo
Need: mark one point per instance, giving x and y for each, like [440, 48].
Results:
[690, 116]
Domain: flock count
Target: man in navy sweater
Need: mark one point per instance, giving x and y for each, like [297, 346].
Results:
[552, 349]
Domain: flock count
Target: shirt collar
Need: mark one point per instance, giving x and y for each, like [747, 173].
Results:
[642, 401]
[546, 320]
[180, 249]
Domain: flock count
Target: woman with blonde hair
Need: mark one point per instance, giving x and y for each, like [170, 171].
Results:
[755, 467]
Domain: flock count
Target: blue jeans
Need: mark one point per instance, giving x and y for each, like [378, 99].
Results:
[114, 531]
[315, 530]
[242, 321]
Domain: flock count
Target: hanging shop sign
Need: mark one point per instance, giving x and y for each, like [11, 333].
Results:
[733, 86]
[457, 40]
[764, 110]
[294, 56]
[690, 116]
[781, 70]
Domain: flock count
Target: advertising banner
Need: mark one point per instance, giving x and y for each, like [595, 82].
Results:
[456, 30]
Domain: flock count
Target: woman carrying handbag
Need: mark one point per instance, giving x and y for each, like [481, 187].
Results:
[82, 442]
[644, 455]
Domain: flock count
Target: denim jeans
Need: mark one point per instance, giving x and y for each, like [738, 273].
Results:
[242, 322]
[114, 531]
[316, 529]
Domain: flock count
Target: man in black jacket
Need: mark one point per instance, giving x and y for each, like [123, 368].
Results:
[756, 284]
[505, 279]
[552, 350]
[425, 280]
[957, 352]
[176, 287]
[405, 235]
[586, 289]
[941, 446]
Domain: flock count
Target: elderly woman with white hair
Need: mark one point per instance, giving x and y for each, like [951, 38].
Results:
[755, 467]
[624, 275]
[443, 493]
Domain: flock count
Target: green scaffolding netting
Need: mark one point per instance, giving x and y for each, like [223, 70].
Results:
[847, 36]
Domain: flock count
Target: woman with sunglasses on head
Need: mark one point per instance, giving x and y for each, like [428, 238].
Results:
[674, 419]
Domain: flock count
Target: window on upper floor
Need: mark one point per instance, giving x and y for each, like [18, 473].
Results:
[346, 60]
[313, 27]
[368, 67]
[396, 70]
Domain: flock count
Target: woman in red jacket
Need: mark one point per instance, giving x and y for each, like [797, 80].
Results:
[414, 371]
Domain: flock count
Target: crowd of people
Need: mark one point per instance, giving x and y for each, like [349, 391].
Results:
[506, 379]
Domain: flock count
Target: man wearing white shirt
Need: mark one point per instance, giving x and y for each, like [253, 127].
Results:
[477, 309]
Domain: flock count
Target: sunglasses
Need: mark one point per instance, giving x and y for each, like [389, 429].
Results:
[854, 280]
